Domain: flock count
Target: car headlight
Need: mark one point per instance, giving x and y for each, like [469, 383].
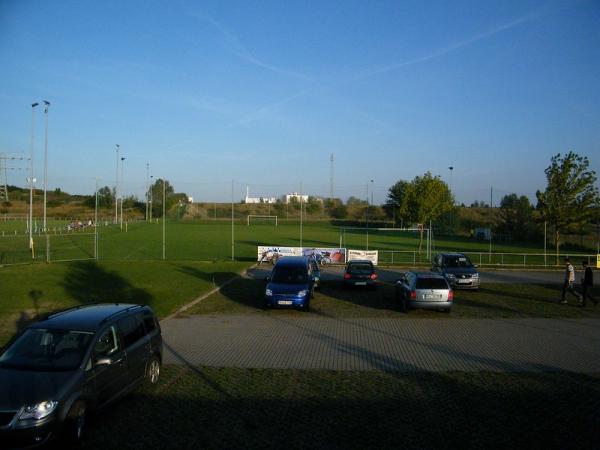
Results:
[475, 275]
[39, 411]
[302, 293]
[268, 292]
[450, 276]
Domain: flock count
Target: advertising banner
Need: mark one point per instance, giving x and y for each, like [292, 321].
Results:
[270, 254]
[273, 253]
[371, 255]
[326, 255]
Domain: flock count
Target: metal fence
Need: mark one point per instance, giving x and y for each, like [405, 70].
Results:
[484, 259]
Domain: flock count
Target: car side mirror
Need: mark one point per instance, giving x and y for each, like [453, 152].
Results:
[475, 265]
[104, 362]
[267, 279]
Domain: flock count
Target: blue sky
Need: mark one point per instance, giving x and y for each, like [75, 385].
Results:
[263, 92]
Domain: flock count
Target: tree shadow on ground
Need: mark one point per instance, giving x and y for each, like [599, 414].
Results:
[87, 282]
[216, 278]
[267, 409]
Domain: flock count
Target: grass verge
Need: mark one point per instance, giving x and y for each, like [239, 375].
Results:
[500, 300]
[38, 288]
[263, 408]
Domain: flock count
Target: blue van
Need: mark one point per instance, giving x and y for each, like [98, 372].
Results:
[292, 282]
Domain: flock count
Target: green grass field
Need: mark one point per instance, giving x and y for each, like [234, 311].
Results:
[33, 289]
[209, 240]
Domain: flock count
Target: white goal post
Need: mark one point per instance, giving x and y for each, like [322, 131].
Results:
[261, 216]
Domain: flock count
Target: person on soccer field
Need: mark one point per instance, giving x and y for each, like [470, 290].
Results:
[587, 283]
[568, 282]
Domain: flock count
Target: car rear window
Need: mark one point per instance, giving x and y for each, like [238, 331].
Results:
[360, 269]
[431, 283]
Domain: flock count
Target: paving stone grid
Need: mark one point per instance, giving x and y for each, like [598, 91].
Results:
[406, 345]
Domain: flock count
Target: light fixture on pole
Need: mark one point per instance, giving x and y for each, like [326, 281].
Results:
[121, 193]
[46, 105]
[117, 187]
[31, 179]
[147, 196]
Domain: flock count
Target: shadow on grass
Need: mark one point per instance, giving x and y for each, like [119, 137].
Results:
[87, 282]
[216, 278]
[271, 409]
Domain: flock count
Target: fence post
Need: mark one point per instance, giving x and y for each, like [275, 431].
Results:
[414, 258]
[524, 260]
[392, 257]
[480, 258]
[47, 248]
[502, 259]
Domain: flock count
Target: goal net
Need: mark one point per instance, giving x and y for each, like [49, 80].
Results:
[258, 219]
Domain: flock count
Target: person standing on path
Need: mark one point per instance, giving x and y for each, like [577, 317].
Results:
[568, 283]
[587, 283]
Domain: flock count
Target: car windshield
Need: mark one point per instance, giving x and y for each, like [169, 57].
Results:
[52, 350]
[360, 269]
[431, 283]
[289, 275]
[457, 261]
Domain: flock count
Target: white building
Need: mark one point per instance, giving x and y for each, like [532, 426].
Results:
[258, 199]
[298, 197]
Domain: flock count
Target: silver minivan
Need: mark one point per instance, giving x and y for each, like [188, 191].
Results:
[424, 290]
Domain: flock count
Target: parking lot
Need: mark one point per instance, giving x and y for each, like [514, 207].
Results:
[391, 274]
[513, 323]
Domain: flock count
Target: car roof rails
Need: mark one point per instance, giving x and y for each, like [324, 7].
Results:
[116, 313]
[52, 314]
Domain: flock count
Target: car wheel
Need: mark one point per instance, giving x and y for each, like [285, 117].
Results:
[75, 422]
[153, 371]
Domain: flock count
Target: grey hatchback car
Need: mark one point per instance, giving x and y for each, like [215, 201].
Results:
[424, 290]
[70, 363]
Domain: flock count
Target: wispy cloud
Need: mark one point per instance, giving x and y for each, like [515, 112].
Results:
[264, 110]
[236, 47]
[452, 47]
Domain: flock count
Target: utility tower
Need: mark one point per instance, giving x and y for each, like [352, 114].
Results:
[3, 169]
[3, 182]
[331, 178]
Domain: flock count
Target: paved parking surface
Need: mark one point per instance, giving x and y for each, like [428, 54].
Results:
[390, 275]
[408, 345]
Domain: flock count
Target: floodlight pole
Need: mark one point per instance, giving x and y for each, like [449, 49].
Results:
[151, 196]
[96, 224]
[163, 224]
[147, 196]
[117, 188]
[122, 159]
[33, 105]
[232, 226]
[301, 214]
[491, 201]
[47, 104]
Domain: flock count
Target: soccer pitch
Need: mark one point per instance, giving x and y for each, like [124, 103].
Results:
[212, 240]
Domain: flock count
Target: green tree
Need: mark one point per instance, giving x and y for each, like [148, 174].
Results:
[570, 196]
[515, 216]
[106, 198]
[425, 199]
[156, 196]
[395, 200]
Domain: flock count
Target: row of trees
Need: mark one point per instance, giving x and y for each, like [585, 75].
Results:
[106, 198]
[569, 203]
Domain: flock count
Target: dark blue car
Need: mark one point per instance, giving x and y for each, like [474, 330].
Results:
[292, 282]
